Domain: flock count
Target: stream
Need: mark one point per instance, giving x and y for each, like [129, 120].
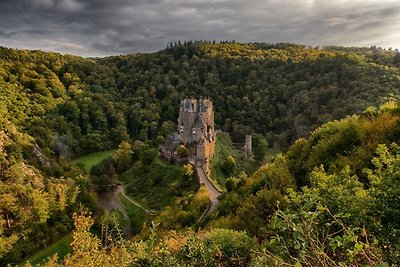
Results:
[110, 201]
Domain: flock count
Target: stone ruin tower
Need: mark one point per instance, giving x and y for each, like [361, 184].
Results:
[196, 128]
[247, 145]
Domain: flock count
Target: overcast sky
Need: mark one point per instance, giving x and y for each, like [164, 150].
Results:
[108, 27]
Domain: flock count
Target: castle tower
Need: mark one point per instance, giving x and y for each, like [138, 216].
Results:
[187, 118]
[248, 144]
[196, 126]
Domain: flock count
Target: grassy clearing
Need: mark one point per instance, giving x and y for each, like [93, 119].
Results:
[62, 247]
[88, 161]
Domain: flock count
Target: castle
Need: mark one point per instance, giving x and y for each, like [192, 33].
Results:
[196, 127]
[195, 131]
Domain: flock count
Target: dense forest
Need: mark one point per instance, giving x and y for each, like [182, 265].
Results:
[338, 218]
[328, 199]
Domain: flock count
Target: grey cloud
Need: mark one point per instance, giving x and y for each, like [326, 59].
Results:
[104, 27]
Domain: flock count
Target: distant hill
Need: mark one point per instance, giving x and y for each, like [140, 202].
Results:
[279, 90]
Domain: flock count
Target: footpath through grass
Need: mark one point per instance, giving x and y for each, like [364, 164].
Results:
[62, 247]
[88, 161]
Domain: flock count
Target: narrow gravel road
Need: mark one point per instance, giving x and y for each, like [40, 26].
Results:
[213, 193]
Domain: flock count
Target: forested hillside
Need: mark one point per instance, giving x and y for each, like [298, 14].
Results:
[280, 91]
[56, 107]
[337, 219]
[328, 192]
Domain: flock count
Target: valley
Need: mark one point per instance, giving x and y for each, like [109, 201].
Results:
[316, 187]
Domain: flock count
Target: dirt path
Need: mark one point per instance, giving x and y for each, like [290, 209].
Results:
[120, 189]
[110, 201]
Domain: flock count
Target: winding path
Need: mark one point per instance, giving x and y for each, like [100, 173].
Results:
[120, 189]
[213, 193]
[110, 201]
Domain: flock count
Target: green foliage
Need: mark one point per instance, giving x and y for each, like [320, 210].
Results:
[229, 203]
[147, 156]
[137, 215]
[276, 176]
[31, 202]
[62, 247]
[256, 210]
[317, 237]
[156, 185]
[357, 224]
[281, 91]
[233, 183]
[182, 151]
[218, 247]
[337, 219]
[184, 211]
[123, 157]
[350, 141]
[6, 243]
[188, 170]
[346, 215]
[384, 189]
[260, 147]
[90, 250]
[229, 165]
[220, 172]
[259, 197]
